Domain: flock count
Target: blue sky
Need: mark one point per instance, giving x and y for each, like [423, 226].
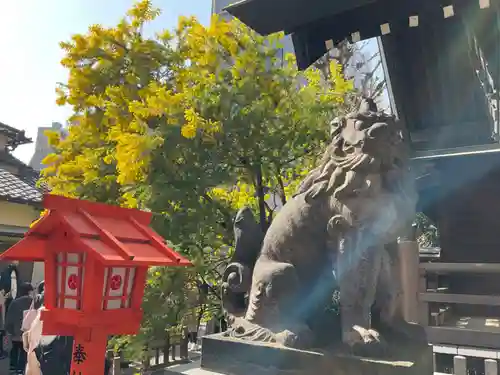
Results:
[29, 59]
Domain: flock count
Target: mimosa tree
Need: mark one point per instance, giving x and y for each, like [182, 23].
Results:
[192, 124]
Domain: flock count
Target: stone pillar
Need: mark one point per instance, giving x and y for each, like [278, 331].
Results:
[409, 272]
[117, 369]
[459, 365]
[490, 367]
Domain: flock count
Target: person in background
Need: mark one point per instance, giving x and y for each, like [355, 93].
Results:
[41, 287]
[39, 295]
[13, 324]
[9, 284]
[192, 330]
[54, 354]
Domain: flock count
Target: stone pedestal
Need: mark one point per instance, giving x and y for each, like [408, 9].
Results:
[235, 357]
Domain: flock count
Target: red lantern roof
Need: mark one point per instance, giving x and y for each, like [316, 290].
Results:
[114, 234]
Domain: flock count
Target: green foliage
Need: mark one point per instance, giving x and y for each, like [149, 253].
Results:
[192, 125]
[428, 233]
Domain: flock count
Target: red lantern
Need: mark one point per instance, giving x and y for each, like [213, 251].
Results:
[96, 260]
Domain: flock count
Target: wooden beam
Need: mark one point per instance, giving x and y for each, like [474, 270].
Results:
[466, 299]
[409, 273]
[463, 337]
[423, 307]
[460, 267]
[477, 352]
[458, 151]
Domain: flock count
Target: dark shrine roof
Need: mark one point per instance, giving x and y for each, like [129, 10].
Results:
[115, 235]
[16, 137]
[18, 182]
[270, 16]
[316, 25]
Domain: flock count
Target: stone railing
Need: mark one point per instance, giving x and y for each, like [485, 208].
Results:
[161, 352]
[457, 360]
[157, 354]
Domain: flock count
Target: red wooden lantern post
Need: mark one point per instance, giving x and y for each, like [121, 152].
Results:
[96, 260]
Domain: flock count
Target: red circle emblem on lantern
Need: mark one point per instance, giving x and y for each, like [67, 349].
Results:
[73, 281]
[116, 282]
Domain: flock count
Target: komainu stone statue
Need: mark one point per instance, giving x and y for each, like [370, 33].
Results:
[237, 276]
[340, 228]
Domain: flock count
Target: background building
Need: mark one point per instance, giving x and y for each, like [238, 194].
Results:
[20, 199]
[42, 148]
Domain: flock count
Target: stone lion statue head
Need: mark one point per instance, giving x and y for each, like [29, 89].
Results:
[366, 159]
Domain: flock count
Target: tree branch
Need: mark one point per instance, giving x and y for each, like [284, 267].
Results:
[295, 158]
[282, 187]
[261, 198]
[210, 287]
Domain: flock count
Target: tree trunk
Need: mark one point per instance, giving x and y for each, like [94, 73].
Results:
[282, 188]
[260, 196]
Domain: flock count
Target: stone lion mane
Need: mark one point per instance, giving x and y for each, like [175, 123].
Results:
[342, 161]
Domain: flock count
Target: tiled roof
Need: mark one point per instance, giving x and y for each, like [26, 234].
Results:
[21, 188]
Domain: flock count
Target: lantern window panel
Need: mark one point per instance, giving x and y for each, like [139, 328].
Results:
[117, 290]
[70, 275]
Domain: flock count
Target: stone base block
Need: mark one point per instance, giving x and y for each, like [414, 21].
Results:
[237, 357]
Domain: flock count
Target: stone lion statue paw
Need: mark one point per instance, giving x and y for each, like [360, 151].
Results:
[366, 342]
[300, 337]
[286, 338]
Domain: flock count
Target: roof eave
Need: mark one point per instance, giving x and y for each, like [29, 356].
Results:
[147, 262]
[270, 16]
[17, 136]
[30, 202]
[28, 249]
